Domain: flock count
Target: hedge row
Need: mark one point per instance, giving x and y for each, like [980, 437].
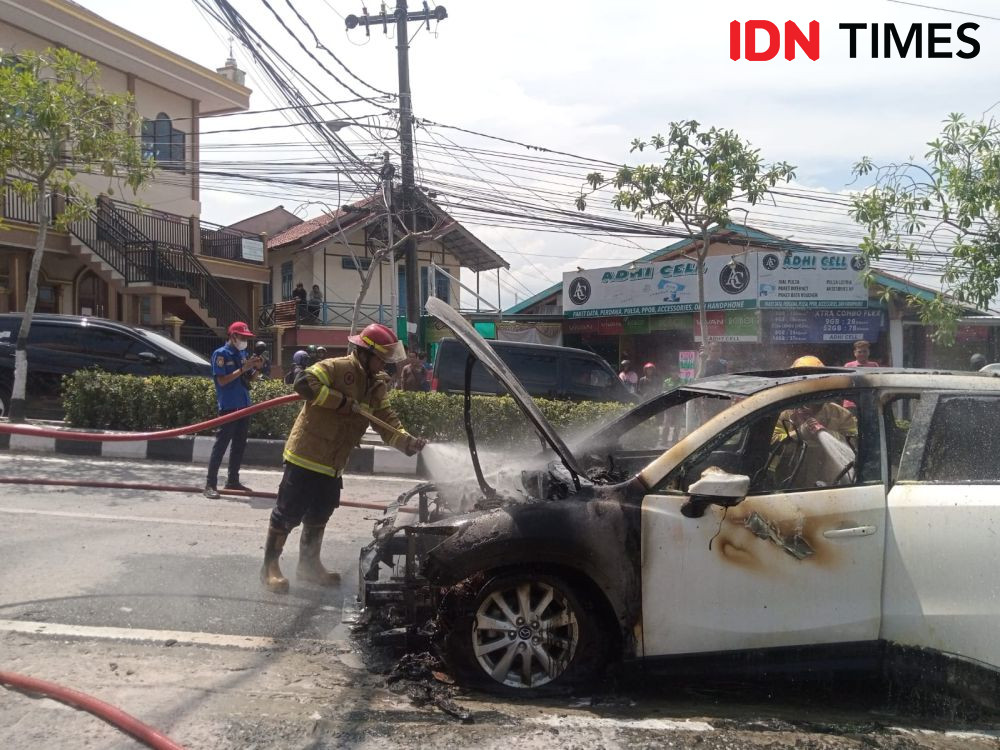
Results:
[98, 400]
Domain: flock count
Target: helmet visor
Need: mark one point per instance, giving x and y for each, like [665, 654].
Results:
[391, 353]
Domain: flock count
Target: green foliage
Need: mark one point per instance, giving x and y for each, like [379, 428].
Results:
[94, 399]
[496, 420]
[55, 122]
[701, 173]
[943, 214]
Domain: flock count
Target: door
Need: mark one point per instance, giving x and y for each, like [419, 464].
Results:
[942, 554]
[798, 562]
[92, 296]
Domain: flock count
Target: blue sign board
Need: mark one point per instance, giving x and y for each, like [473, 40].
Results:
[825, 326]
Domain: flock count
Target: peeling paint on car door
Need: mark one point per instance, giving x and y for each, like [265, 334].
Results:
[783, 569]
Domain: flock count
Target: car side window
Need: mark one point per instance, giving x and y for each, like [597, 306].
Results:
[897, 415]
[112, 344]
[539, 369]
[963, 442]
[588, 374]
[69, 339]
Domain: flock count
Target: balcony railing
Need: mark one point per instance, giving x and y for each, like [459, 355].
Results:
[171, 230]
[18, 208]
[334, 314]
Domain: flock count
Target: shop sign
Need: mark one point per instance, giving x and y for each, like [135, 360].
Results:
[729, 325]
[252, 249]
[819, 326]
[636, 325]
[596, 326]
[660, 287]
[687, 362]
[808, 279]
[435, 330]
[670, 323]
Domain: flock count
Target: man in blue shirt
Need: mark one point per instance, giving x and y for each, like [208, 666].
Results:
[232, 371]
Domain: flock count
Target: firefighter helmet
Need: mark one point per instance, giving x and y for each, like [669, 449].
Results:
[381, 342]
[808, 361]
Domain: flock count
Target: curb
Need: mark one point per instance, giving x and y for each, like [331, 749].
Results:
[365, 459]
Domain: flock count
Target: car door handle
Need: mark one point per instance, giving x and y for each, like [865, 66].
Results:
[851, 532]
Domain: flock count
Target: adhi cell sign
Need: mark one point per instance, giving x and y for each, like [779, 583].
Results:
[772, 279]
[657, 288]
[827, 280]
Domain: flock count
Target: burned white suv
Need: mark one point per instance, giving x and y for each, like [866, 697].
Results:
[802, 519]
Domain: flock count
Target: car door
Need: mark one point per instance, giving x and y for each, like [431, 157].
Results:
[942, 548]
[797, 563]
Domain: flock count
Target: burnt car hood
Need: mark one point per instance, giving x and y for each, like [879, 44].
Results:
[498, 369]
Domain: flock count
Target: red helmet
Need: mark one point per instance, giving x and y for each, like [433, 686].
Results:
[380, 341]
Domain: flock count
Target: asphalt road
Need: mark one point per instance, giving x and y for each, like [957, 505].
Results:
[150, 601]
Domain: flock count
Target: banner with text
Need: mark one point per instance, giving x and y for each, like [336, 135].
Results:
[729, 325]
[820, 326]
[806, 279]
[660, 287]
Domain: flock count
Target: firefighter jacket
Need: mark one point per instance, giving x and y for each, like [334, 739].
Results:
[325, 431]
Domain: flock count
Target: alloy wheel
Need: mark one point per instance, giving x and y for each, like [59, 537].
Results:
[525, 634]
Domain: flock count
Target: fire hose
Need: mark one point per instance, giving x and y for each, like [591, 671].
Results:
[38, 431]
[105, 711]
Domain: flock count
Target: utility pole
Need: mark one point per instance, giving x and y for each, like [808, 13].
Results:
[402, 17]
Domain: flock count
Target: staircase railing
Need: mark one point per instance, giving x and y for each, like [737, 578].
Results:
[177, 266]
[139, 259]
[111, 249]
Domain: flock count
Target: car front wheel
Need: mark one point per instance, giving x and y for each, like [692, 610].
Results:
[4, 400]
[522, 632]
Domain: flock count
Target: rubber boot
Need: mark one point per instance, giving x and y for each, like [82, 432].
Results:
[310, 568]
[270, 573]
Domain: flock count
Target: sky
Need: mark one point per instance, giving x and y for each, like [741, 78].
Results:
[587, 77]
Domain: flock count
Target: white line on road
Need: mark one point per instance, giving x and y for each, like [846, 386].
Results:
[180, 467]
[136, 519]
[151, 636]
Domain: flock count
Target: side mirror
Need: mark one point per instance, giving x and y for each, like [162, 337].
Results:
[148, 358]
[716, 487]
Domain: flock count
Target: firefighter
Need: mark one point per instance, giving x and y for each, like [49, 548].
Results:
[330, 425]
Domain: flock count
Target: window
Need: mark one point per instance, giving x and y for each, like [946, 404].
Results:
[536, 369]
[348, 263]
[897, 414]
[266, 295]
[799, 446]
[61, 338]
[286, 280]
[163, 142]
[963, 441]
[111, 344]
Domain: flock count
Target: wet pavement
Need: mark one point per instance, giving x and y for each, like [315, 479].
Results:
[150, 601]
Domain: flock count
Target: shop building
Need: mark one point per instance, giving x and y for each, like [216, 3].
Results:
[768, 301]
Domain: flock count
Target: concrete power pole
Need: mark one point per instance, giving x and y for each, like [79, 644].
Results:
[401, 17]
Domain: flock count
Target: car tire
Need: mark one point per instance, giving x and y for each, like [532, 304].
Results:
[5, 396]
[560, 644]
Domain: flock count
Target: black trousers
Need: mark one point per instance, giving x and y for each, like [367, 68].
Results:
[231, 432]
[305, 497]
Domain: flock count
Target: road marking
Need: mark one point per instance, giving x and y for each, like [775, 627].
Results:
[135, 519]
[97, 462]
[602, 722]
[153, 636]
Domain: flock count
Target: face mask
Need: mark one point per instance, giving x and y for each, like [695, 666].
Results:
[241, 345]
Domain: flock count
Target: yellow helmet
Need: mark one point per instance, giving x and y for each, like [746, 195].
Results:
[808, 361]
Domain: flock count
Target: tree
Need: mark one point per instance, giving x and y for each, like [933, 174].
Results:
[944, 215]
[54, 123]
[701, 174]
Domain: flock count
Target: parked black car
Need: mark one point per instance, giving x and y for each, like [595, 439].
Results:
[62, 344]
[546, 371]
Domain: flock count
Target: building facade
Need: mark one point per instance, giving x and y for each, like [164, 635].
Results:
[141, 265]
